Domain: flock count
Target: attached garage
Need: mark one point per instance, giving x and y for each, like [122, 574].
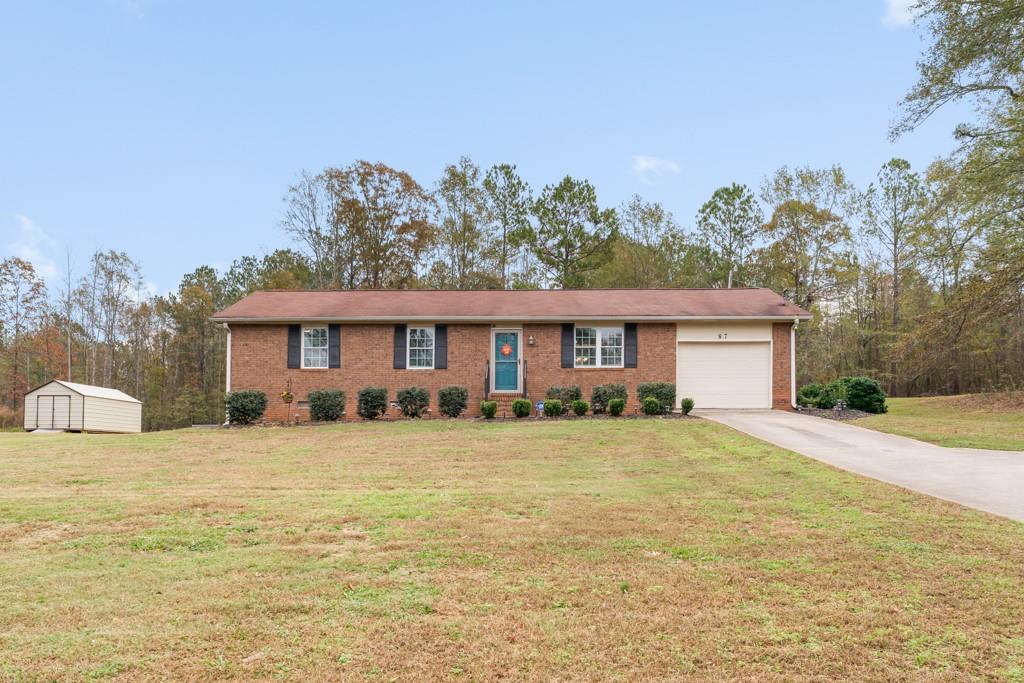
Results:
[73, 407]
[725, 365]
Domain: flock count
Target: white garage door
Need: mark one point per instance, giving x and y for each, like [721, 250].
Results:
[724, 374]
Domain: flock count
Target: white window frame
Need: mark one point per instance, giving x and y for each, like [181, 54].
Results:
[408, 346]
[597, 346]
[327, 356]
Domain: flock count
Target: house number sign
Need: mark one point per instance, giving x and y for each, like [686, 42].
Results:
[723, 335]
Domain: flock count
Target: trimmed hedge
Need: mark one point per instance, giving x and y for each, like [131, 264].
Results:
[521, 407]
[372, 402]
[452, 401]
[245, 407]
[652, 406]
[864, 393]
[552, 407]
[413, 401]
[665, 392]
[326, 405]
[566, 394]
[489, 409]
[603, 393]
[580, 408]
[686, 405]
[616, 406]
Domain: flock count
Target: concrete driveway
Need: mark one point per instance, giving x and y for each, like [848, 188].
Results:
[987, 480]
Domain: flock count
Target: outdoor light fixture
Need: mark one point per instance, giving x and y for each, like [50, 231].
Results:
[531, 341]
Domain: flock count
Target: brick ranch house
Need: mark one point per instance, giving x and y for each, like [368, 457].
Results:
[725, 348]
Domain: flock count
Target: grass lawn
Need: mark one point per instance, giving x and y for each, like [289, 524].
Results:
[589, 550]
[972, 421]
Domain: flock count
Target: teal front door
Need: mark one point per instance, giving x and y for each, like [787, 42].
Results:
[506, 361]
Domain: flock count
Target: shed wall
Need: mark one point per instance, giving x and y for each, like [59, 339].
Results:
[53, 412]
[108, 415]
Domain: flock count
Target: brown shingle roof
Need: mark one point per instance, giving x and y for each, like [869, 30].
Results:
[509, 305]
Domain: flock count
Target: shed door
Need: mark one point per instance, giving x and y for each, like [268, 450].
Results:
[725, 374]
[45, 411]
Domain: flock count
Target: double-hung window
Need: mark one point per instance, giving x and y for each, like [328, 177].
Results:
[598, 347]
[314, 347]
[421, 348]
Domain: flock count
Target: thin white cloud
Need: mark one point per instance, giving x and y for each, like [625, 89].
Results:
[133, 8]
[898, 13]
[35, 246]
[650, 168]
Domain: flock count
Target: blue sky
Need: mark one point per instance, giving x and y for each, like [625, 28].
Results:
[171, 129]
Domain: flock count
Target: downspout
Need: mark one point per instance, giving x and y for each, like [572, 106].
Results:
[792, 362]
[227, 369]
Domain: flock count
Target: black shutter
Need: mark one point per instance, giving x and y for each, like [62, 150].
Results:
[629, 345]
[568, 345]
[294, 346]
[334, 346]
[399, 347]
[440, 347]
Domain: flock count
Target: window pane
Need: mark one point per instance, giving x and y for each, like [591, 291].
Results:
[586, 356]
[611, 355]
[421, 347]
[586, 336]
[314, 347]
[611, 346]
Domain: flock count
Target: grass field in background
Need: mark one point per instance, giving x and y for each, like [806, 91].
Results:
[972, 421]
[570, 550]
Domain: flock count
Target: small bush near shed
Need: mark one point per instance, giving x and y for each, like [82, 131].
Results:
[580, 407]
[665, 392]
[552, 407]
[687, 405]
[489, 409]
[521, 407]
[566, 394]
[603, 393]
[372, 402]
[652, 406]
[413, 401]
[326, 405]
[616, 406]
[245, 407]
[452, 401]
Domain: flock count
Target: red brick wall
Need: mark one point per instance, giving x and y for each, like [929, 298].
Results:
[259, 361]
[782, 375]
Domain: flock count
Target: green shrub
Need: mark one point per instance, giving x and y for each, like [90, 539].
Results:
[828, 396]
[652, 406]
[452, 401]
[687, 405]
[521, 407]
[603, 393]
[566, 394]
[413, 401]
[665, 392]
[372, 402]
[864, 393]
[489, 409]
[580, 407]
[245, 407]
[326, 405]
[808, 395]
[552, 407]
[616, 406]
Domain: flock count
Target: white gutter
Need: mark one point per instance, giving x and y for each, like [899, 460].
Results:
[227, 364]
[792, 362]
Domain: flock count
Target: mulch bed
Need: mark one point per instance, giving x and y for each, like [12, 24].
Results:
[843, 415]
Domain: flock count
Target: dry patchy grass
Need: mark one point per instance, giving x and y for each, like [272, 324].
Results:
[591, 550]
[993, 421]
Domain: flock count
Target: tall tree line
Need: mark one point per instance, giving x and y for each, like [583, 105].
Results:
[917, 278]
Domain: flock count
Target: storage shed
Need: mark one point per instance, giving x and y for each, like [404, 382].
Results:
[72, 407]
